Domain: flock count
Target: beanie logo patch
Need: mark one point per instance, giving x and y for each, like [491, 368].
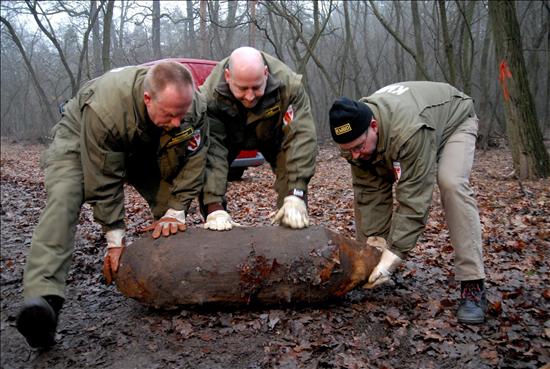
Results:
[340, 130]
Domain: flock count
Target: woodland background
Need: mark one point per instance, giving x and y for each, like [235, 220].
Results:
[50, 48]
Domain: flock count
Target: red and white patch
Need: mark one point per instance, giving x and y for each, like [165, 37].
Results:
[289, 116]
[194, 142]
[397, 170]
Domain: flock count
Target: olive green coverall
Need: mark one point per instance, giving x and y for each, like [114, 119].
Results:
[103, 140]
[427, 131]
[280, 126]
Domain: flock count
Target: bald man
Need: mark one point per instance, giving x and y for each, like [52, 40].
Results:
[257, 102]
[145, 126]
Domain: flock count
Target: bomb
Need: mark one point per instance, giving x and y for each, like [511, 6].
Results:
[246, 266]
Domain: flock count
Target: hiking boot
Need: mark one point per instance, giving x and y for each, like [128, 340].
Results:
[37, 320]
[473, 303]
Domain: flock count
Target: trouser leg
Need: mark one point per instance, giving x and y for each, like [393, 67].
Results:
[53, 240]
[457, 197]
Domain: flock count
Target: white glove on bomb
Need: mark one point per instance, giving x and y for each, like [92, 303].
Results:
[385, 267]
[293, 213]
[114, 238]
[115, 247]
[171, 223]
[220, 220]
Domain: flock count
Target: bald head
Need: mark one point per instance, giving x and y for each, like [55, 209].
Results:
[246, 75]
[246, 59]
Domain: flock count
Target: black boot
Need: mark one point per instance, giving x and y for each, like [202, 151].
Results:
[473, 303]
[37, 320]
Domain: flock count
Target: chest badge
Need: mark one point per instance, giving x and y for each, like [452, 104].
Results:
[194, 142]
[272, 110]
[180, 137]
[289, 116]
[397, 170]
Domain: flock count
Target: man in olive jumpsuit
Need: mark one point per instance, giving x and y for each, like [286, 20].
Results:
[142, 125]
[409, 134]
[257, 102]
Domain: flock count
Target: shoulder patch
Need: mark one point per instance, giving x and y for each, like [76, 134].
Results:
[289, 116]
[194, 142]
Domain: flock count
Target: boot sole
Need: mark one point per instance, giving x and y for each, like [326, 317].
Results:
[471, 321]
[37, 323]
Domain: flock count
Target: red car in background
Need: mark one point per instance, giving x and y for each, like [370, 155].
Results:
[200, 69]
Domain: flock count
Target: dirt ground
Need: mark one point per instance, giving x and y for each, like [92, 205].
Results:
[410, 323]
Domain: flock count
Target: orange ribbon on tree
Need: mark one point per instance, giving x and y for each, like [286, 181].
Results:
[503, 76]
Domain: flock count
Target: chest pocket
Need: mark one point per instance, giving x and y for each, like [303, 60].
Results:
[175, 149]
[385, 172]
[264, 125]
[379, 169]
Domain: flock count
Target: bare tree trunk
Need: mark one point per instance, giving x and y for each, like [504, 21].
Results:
[467, 45]
[358, 88]
[91, 23]
[417, 40]
[447, 43]
[49, 33]
[123, 13]
[96, 42]
[190, 28]
[156, 30]
[203, 32]
[41, 94]
[251, 26]
[374, 75]
[213, 10]
[485, 124]
[534, 65]
[530, 158]
[106, 49]
[397, 50]
[546, 115]
[347, 46]
[275, 37]
[309, 45]
[395, 35]
[231, 20]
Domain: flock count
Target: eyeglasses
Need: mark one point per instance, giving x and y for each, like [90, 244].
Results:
[357, 149]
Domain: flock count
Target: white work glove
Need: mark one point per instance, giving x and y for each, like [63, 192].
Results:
[115, 247]
[220, 220]
[170, 223]
[385, 267]
[293, 213]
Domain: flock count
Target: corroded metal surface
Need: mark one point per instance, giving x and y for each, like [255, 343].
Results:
[244, 266]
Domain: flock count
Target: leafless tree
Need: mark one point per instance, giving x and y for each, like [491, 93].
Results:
[530, 157]
[106, 46]
[40, 91]
[156, 30]
[341, 48]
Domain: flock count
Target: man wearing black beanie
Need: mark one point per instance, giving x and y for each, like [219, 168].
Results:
[411, 134]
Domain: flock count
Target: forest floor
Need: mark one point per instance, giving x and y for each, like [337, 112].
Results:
[410, 323]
